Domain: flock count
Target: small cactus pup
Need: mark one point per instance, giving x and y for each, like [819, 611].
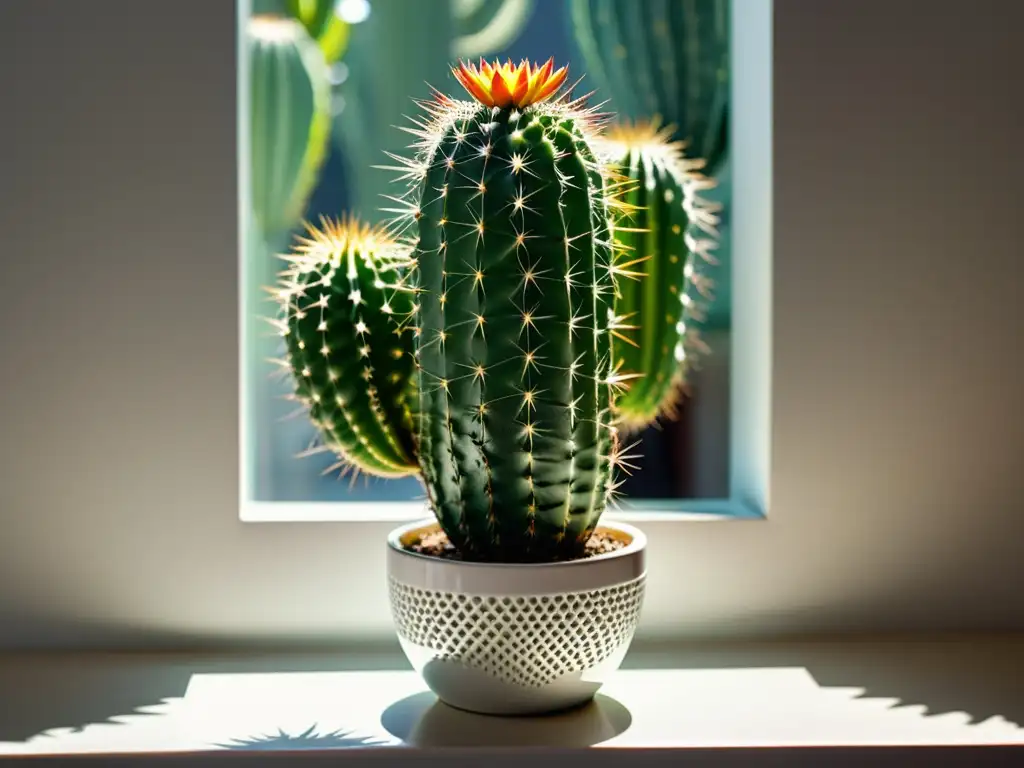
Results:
[515, 280]
[670, 229]
[342, 301]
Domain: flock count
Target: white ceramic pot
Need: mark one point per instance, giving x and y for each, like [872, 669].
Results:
[516, 639]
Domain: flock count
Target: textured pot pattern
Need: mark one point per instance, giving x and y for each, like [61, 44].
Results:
[528, 640]
[546, 635]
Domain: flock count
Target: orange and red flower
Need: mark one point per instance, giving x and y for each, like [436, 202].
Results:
[508, 85]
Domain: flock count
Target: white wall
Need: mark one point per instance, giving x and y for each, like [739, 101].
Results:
[898, 436]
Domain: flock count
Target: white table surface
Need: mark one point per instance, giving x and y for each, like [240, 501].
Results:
[760, 698]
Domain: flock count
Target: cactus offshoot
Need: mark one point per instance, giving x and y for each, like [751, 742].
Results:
[351, 359]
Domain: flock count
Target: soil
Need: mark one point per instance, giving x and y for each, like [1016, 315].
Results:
[437, 545]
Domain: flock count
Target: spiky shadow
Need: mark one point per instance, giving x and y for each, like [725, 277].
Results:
[308, 739]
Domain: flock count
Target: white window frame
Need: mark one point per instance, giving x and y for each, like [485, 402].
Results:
[750, 348]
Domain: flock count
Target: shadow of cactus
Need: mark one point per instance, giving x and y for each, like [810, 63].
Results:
[308, 739]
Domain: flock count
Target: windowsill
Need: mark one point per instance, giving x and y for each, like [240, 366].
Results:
[816, 698]
[710, 510]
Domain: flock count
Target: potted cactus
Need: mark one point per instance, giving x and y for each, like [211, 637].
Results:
[472, 343]
[514, 597]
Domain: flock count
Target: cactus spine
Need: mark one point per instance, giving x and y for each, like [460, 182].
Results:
[351, 360]
[515, 289]
[662, 58]
[669, 227]
[289, 120]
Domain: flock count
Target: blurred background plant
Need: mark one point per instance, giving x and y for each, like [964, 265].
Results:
[376, 57]
[667, 60]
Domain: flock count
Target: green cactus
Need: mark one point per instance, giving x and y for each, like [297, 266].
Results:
[669, 229]
[515, 287]
[343, 298]
[667, 59]
[290, 121]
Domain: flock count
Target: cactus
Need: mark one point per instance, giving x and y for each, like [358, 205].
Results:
[289, 120]
[515, 281]
[666, 59]
[670, 228]
[351, 360]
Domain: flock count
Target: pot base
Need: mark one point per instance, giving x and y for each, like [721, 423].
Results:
[472, 690]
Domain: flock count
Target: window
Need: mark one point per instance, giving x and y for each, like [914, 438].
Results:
[705, 455]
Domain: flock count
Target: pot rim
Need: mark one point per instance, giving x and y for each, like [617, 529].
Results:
[637, 544]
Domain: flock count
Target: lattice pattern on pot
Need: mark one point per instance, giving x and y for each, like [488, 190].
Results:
[527, 640]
